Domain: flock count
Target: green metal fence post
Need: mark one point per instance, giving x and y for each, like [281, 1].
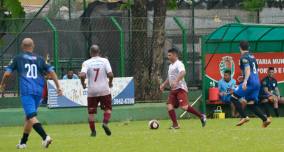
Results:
[55, 43]
[84, 5]
[203, 101]
[184, 45]
[121, 48]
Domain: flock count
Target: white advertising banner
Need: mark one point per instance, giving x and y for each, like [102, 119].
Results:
[74, 95]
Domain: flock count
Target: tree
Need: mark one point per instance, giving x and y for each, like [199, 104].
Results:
[158, 41]
[148, 55]
[254, 6]
[9, 10]
[140, 48]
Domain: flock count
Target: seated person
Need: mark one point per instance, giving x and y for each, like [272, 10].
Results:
[226, 86]
[269, 92]
[70, 75]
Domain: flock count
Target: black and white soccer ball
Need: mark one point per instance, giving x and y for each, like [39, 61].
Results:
[153, 124]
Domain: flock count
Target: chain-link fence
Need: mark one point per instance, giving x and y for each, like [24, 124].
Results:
[126, 41]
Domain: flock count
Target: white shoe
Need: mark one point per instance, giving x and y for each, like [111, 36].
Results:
[46, 142]
[21, 146]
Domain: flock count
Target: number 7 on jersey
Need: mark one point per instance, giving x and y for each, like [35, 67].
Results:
[97, 70]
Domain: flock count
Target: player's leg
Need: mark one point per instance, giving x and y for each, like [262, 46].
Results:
[255, 109]
[26, 133]
[265, 105]
[235, 99]
[37, 126]
[92, 109]
[172, 99]
[274, 100]
[107, 107]
[253, 104]
[281, 100]
[183, 102]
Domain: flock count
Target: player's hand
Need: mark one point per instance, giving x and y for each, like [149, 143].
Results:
[244, 86]
[84, 86]
[222, 94]
[59, 92]
[174, 84]
[110, 84]
[162, 87]
[240, 78]
[2, 87]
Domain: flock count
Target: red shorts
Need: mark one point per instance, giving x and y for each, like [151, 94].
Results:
[178, 98]
[105, 103]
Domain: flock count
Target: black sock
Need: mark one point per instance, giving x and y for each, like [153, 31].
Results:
[276, 112]
[238, 107]
[266, 108]
[24, 138]
[257, 111]
[38, 128]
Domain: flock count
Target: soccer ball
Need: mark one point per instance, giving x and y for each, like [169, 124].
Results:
[153, 124]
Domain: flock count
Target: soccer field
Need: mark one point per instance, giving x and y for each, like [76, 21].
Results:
[218, 136]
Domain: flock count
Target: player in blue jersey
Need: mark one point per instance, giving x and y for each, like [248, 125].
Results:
[31, 69]
[249, 88]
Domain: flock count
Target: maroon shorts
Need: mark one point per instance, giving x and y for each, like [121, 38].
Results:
[105, 103]
[178, 98]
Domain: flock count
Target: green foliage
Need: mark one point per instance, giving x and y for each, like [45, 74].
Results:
[253, 5]
[172, 4]
[127, 5]
[10, 12]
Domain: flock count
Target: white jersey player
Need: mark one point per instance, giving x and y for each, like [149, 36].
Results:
[99, 74]
[174, 70]
[178, 94]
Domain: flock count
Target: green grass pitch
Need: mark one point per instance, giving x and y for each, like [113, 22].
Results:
[217, 136]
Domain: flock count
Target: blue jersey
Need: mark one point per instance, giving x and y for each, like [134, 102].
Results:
[226, 86]
[253, 84]
[31, 69]
[248, 60]
[270, 84]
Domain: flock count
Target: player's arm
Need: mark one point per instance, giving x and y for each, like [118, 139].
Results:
[53, 76]
[8, 72]
[180, 76]
[163, 85]
[109, 72]
[245, 62]
[83, 74]
[267, 91]
[110, 78]
[4, 78]
[277, 92]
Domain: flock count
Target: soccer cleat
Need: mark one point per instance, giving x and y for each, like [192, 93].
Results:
[174, 127]
[242, 121]
[94, 134]
[266, 123]
[46, 142]
[203, 120]
[107, 130]
[21, 146]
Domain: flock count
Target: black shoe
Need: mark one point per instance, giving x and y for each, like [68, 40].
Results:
[203, 120]
[93, 134]
[107, 130]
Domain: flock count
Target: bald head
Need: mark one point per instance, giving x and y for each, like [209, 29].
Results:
[28, 44]
[94, 50]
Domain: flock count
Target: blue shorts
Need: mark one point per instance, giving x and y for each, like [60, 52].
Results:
[251, 93]
[30, 104]
[226, 99]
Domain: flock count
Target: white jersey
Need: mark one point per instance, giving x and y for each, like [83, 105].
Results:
[96, 70]
[174, 70]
